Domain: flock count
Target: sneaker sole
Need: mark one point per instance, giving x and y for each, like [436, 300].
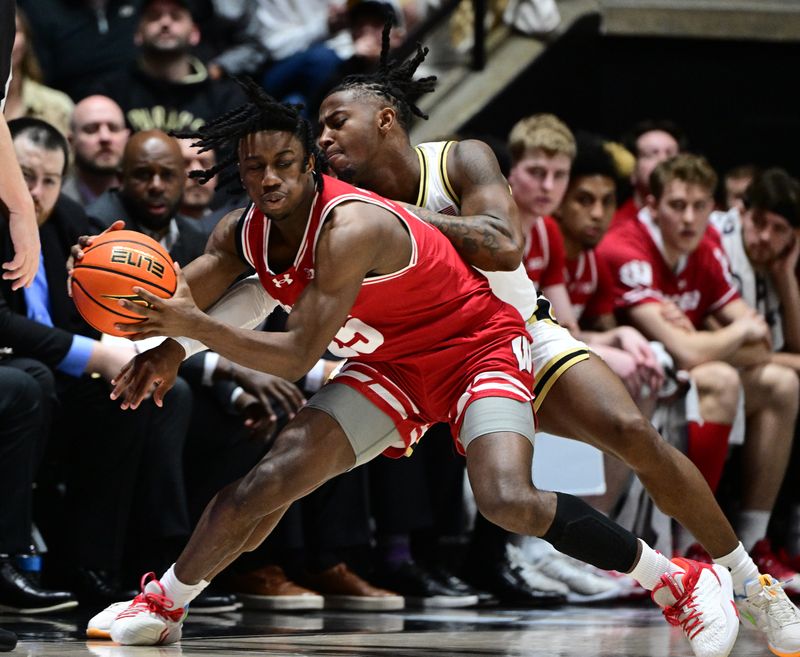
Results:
[443, 601]
[365, 602]
[780, 653]
[39, 610]
[294, 602]
[97, 633]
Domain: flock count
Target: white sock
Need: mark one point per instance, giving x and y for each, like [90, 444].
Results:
[752, 527]
[741, 566]
[651, 566]
[181, 594]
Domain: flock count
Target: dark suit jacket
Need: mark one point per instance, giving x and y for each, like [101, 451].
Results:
[25, 336]
[109, 207]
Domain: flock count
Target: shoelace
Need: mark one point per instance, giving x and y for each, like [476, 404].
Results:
[684, 611]
[772, 596]
[156, 603]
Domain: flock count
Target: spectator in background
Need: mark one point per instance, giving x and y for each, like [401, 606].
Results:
[27, 96]
[542, 149]
[79, 41]
[198, 197]
[168, 88]
[151, 186]
[651, 141]
[667, 255]
[97, 135]
[583, 218]
[736, 182]
[102, 475]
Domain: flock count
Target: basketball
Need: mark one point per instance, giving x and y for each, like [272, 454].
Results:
[111, 267]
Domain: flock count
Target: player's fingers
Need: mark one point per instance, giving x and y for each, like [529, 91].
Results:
[147, 296]
[136, 308]
[158, 395]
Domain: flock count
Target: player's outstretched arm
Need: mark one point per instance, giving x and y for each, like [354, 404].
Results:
[488, 234]
[358, 239]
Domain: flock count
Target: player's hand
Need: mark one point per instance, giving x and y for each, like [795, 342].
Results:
[786, 264]
[634, 343]
[85, 241]
[173, 317]
[268, 388]
[625, 367]
[25, 238]
[152, 371]
[755, 327]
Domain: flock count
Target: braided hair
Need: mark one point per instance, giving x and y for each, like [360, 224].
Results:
[393, 81]
[261, 112]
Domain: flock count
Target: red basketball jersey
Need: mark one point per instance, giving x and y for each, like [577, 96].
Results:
[544, 255]
[699, 285]
[589, 285]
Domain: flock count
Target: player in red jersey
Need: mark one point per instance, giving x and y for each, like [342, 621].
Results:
[583, 218]
[360, 272]
[667, 255]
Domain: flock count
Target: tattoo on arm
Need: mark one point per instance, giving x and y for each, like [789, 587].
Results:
[469, 235]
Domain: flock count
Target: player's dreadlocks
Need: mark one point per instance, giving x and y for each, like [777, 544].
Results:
[261, 112]
[393, 81]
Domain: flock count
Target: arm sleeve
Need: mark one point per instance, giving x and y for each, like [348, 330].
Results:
[245, 305]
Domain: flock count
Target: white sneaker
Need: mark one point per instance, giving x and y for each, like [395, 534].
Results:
[151, 618]
[769, 609]
[99, 625]
[535, 579]
[699, 599]
[584, 585]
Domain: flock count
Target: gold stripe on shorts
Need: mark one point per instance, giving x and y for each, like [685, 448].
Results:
[553, 370]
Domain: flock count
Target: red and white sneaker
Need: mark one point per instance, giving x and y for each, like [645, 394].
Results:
[699, 600]
[151, 619]
[768, 562]
[99, 626]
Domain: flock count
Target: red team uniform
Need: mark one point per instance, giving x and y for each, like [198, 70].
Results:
[589, 284]
[699, 286]
[422, 343]
[544, 253]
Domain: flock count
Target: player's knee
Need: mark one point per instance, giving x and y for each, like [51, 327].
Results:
[783, 385]
[510, 505]
[636, 437]
[721, 383]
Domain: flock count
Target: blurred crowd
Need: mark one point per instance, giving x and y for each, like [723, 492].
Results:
[684, 281]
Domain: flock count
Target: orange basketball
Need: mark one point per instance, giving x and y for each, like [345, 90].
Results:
[113, 264]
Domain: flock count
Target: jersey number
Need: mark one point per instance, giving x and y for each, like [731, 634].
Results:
[355, 338]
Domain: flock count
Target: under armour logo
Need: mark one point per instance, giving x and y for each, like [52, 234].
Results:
[286, 279]
[309, 273]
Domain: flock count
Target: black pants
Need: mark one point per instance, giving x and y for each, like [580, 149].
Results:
[119, 466]
[26, 388]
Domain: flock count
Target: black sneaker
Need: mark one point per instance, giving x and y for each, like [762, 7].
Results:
[98, 588]
[485, 599]
[506, 583]
[422, 589]
[214, 602]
